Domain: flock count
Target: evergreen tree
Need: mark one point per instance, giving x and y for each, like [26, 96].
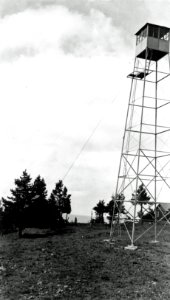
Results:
[141, 198]
[115, 206]
[100, 209]
[39, 205]
[59, 202]
[20, 201]
[8, 216]
[39, 188]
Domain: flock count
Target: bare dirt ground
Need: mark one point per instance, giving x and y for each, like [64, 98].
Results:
[79, 265]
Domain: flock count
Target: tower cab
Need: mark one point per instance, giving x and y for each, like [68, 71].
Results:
[152, 42]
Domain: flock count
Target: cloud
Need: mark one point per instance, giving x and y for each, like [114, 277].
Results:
[81, 28]
[158, 12]
[109, 7]
[125, 15]
[94, 36]
[39, 31]
[58, 29]
[8, 7]
[12, 54]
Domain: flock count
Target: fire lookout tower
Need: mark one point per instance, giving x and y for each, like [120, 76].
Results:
[145, 153]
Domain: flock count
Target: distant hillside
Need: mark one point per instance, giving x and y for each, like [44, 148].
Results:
[80, 218]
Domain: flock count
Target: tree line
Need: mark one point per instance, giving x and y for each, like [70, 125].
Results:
[112, 208]
[116, 206]
[29, 206]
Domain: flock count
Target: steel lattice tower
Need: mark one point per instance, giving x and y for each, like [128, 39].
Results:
[145, 152]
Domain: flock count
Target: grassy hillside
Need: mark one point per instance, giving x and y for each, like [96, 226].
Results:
[78, 264]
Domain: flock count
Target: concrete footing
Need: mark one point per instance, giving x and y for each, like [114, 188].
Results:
[131, 247]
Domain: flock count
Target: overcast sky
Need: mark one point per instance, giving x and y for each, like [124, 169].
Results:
[63, 88]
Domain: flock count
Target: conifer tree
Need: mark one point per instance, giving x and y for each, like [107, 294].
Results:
[39, 205]
[20, 201]
[115, 206]
[60, 202]
[141, 198]
[100, 209]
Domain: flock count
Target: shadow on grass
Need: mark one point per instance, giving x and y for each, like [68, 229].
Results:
[34, 233]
